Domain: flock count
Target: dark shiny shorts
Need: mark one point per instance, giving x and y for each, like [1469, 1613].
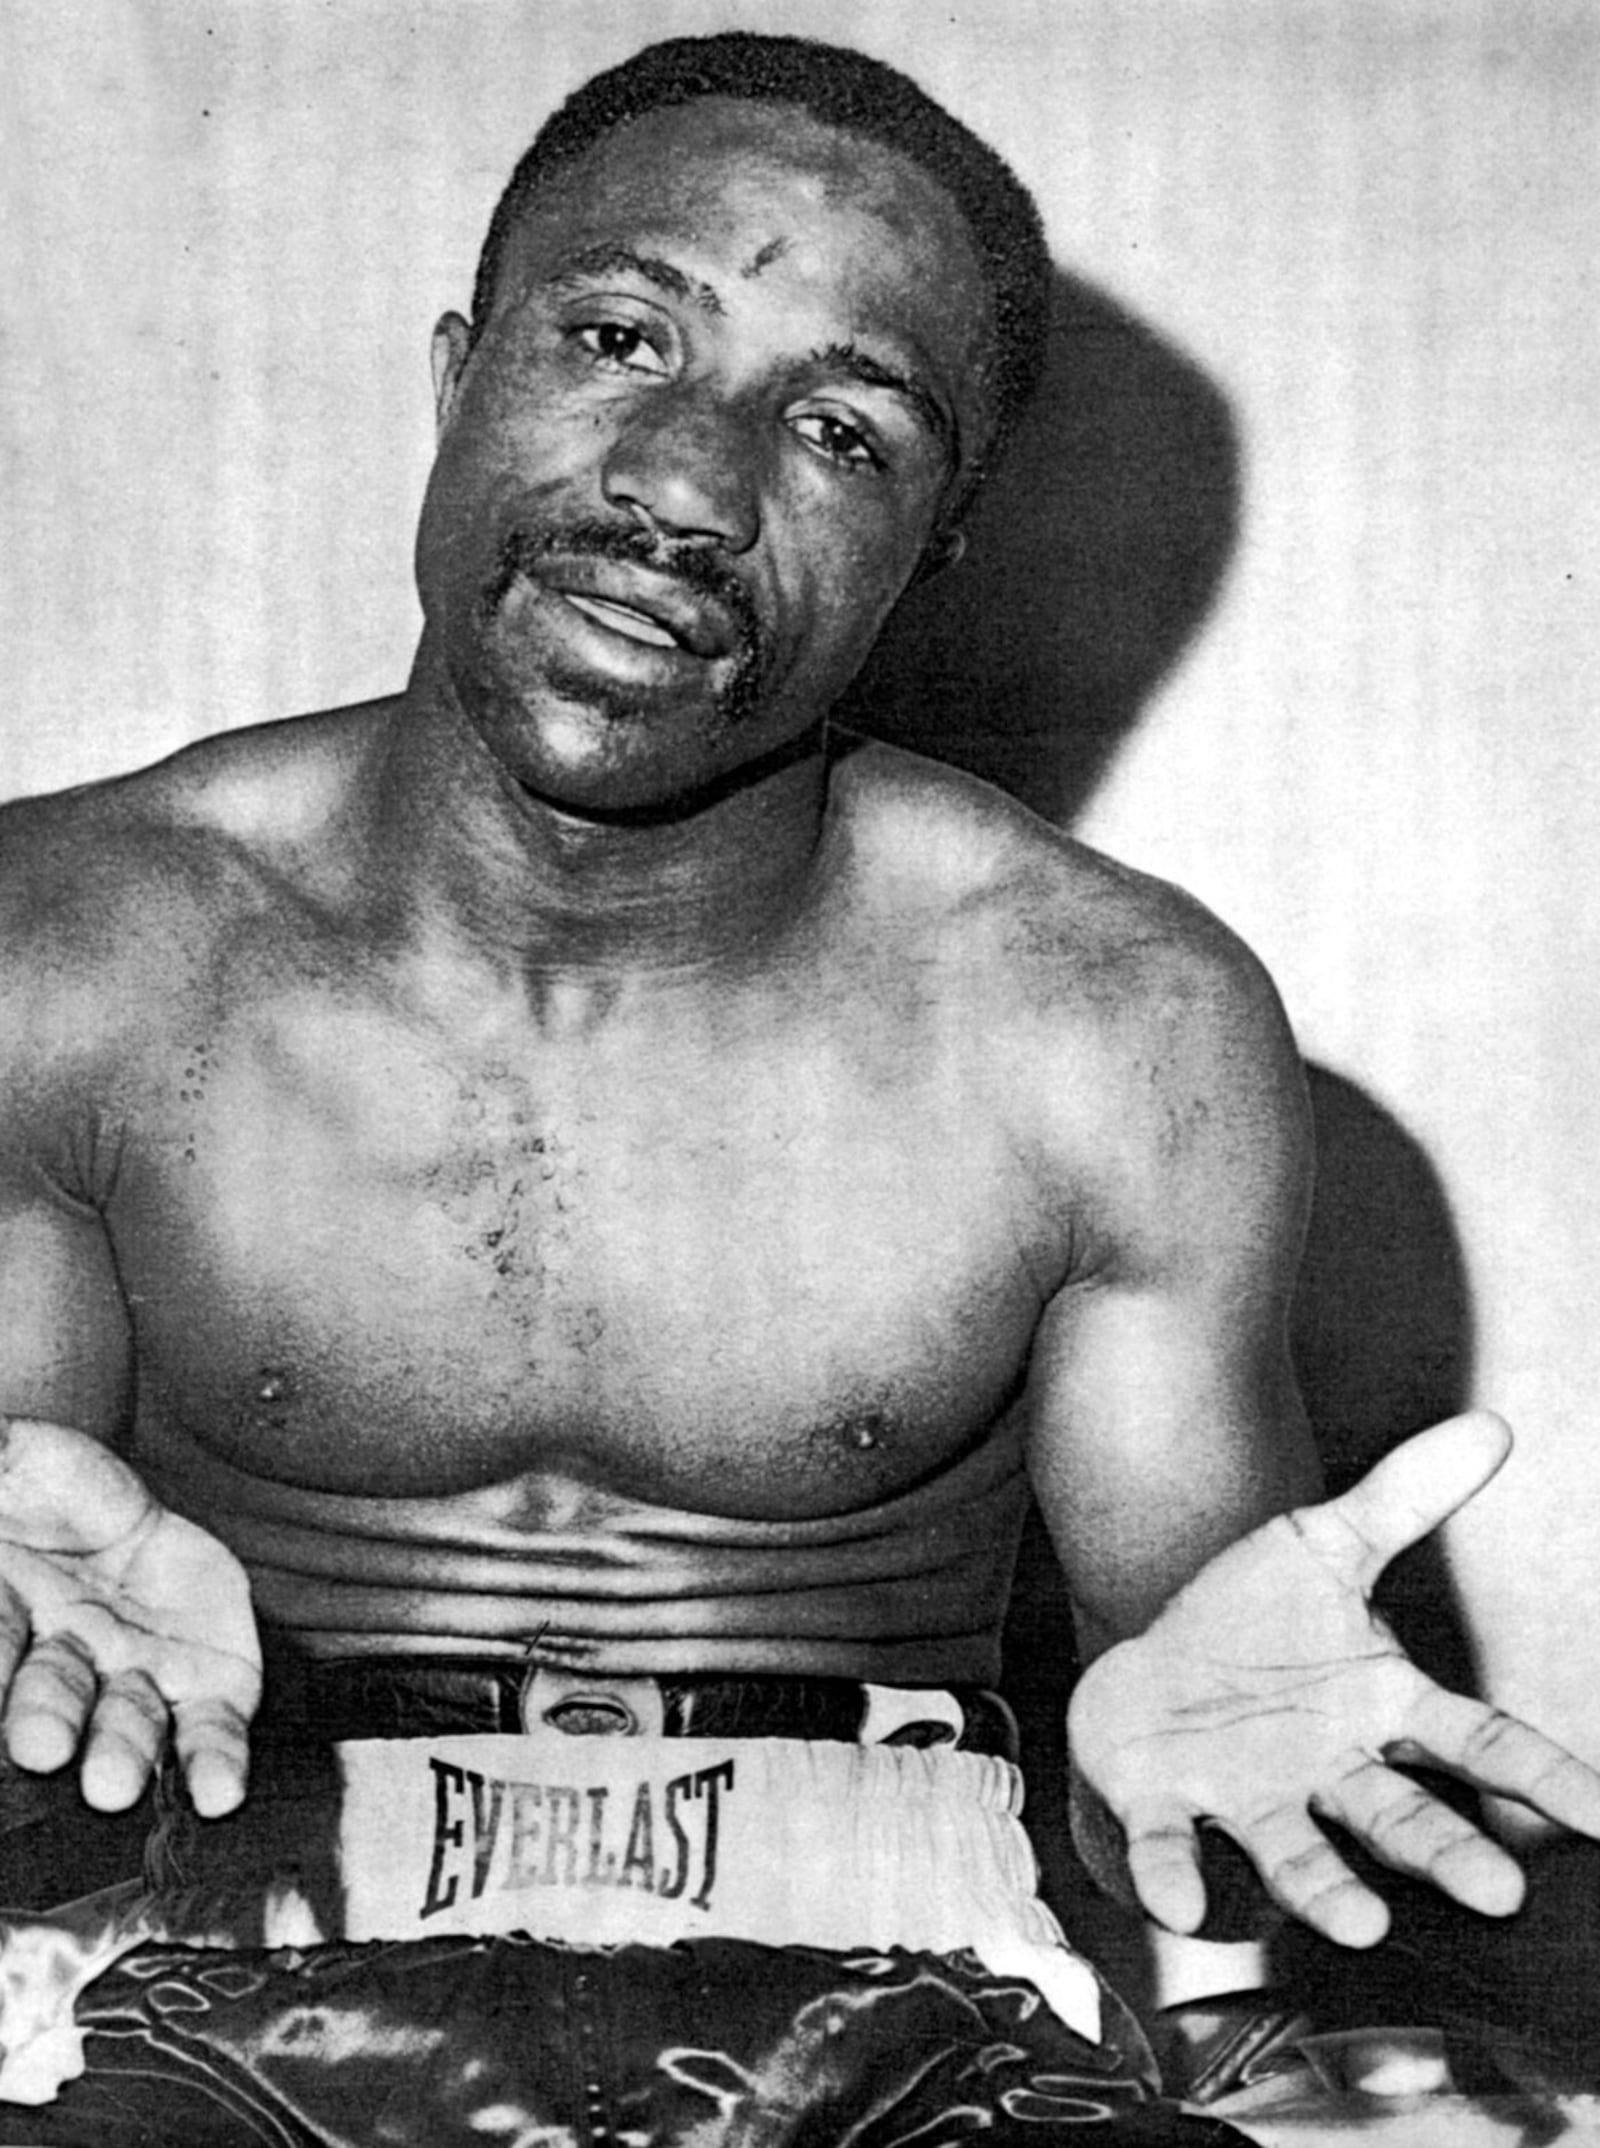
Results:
[454, 2043]
[434, 2043]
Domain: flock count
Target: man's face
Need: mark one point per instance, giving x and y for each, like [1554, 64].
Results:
[734, 365]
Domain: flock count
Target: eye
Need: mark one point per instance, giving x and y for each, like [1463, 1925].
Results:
[620, 345]
[838, 440]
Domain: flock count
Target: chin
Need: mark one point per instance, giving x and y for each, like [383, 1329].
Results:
[604, 753]
[652, 787]
[606, 767]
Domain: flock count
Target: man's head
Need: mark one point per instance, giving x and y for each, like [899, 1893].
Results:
[858, 95]
[750, 322]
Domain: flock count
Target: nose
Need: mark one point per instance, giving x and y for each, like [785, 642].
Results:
[686, 463]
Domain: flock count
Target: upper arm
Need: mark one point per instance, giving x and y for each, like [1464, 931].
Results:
[1163, 1418]
[65, 1342]
[64, 1339]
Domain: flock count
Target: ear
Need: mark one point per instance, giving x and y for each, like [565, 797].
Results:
[451, 341]
[946, 550]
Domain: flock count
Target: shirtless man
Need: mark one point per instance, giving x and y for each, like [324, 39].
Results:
[577, 1165]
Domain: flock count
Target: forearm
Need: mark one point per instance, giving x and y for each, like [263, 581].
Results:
[1139, 1502]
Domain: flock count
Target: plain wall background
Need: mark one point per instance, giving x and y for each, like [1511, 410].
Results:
[1370, 224]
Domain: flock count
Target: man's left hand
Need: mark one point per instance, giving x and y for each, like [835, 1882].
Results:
[1267, 1695]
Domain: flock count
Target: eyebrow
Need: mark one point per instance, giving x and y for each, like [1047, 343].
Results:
[857, 364]
[609, 257]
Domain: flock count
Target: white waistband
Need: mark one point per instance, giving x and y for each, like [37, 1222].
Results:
[642, 1840]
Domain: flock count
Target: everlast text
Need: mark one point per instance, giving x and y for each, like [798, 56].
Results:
[492, 1835]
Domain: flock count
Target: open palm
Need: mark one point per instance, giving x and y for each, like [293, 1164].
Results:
[1267, 1695]
[117, 1619]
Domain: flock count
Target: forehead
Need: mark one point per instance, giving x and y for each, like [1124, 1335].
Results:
[768, 192]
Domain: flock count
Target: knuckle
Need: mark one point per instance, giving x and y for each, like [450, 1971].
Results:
[1304, 1864]
[1314, 1902]
[1159, 1826]
[60, 1659]
[1410, 1810]
[136, 1697]
[1464, 1842]
[209, 1724]
[137, 1739]
[1490, 1736]
[1266, 1819]
[1328, 1533]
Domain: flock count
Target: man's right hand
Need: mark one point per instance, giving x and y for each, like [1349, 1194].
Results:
[118, 1619]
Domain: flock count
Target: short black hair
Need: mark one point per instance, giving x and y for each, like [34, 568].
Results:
[858, 95]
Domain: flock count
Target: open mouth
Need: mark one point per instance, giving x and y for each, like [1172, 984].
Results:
[619, 585]
[624, 619]
[648, 607]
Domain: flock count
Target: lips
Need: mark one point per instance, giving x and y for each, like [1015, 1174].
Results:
[652, 609]
[623, 619]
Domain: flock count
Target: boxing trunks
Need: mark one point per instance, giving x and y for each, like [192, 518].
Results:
[470, 1903]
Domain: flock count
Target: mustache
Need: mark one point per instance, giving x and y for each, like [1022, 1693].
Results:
[524, 551]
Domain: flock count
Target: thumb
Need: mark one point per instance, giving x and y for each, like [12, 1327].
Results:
[1410, 1492]
[63, 1491]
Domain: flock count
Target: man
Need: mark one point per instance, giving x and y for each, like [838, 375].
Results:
[587, 1200]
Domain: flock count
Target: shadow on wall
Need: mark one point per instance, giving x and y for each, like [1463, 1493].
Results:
[1097, 551]
[1382, 1332]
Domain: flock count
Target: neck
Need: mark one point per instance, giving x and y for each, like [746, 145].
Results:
[558, 892]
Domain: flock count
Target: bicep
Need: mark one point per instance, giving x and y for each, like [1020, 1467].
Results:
[69, 998]
[1158, 1434]
[65, 1348]
[1163, 1417]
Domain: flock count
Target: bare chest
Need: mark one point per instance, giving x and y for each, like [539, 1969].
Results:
[742, 1271]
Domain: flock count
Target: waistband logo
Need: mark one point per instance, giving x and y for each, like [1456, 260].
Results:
[494, 1835]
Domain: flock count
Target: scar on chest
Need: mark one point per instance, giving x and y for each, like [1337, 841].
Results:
[192, 1090]
[196, 1073]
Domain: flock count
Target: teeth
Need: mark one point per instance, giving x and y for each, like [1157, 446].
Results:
[623, 619]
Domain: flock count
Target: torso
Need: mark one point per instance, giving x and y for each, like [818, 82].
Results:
[764, 1246]
[704, 1255]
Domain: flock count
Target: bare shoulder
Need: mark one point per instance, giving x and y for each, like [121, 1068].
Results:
[111, 894]
[1122, 1024]
[1068, 931]
[259, 798]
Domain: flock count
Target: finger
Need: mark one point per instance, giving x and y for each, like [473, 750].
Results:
[1163, 1856]
[51, 1695]
[1305, 1875]
[1412, 1832]
[1421, 1484]
[126, 1733]
[1496, 1752]
[14, 1630]
[213, 1746]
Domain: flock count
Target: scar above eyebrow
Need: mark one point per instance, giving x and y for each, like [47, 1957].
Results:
[774, 250]
[610, 258]
[857, 364]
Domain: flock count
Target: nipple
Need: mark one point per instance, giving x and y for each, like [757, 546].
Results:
[855, 1431]
[867, 1430]
[274, 1397]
